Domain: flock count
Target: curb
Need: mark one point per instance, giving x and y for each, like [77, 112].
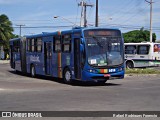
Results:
[4, 61]
[132, 75]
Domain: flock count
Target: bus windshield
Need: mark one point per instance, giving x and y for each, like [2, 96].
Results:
[104, 50]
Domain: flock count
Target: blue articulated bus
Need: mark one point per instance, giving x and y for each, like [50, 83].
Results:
[84, 54]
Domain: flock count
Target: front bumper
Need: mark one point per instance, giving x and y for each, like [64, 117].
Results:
[88, 76]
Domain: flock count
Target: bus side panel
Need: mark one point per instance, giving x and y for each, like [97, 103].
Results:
[17, 61]
[55, 63]
[39, 65]
[155, 54]
[35, 59]
[60, 61]
[67, 59]
[28, 55]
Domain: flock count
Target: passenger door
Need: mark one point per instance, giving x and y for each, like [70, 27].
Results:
[12, 62]
[48, 57]
[77, 58]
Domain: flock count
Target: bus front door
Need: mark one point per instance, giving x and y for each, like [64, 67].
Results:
[48, 57]
[12, 62]
[77, 58]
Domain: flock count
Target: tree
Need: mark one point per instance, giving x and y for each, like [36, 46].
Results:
[137, 36]
[6, 30]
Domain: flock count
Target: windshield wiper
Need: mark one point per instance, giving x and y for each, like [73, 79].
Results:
[99, 44]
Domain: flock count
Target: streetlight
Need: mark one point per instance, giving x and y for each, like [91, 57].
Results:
[65, 20]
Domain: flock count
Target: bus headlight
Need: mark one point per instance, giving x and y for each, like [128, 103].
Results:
[92, 71]
[120, 69]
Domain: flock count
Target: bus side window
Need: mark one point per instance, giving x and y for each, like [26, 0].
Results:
[32, 45]
[16, 45]
[66, 46]
[57, 44]
[28, 45]
[39, 45]
[130, 49]
[143, 49]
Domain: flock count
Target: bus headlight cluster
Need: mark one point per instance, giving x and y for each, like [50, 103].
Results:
[92, 71]
[120, 69]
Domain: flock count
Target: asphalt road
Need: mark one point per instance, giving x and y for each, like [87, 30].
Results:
[23, 93]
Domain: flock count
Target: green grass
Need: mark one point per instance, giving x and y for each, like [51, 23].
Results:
[142, 71]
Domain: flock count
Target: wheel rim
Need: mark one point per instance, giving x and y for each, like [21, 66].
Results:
[67, 76]
[33, 71]
[129, 65]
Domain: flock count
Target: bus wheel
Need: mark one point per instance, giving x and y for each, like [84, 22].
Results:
[33, 71]
[67, 76]
[129, 64]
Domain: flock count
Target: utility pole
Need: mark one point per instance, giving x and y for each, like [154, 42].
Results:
[150, 18]
[20, 27]
[96, 22]
[84, 6]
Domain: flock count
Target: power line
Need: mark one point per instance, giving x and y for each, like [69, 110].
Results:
[131, 9]
[102, 24]
[128, 12]
[133, 16]
[42, 27]
[121, 8]
[129, 26]
[77, 12]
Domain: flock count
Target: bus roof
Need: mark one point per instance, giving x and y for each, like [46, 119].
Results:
[14, 39]
[76, 29]
[90, 28]
[142, 43]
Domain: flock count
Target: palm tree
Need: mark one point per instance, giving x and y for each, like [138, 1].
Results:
[6, 30]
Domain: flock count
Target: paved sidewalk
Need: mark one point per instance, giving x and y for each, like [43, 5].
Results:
[4, 61]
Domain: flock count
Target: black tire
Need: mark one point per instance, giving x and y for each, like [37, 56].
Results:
[129, 65]
[33, 71]
[67, 76]
[102, 82]
[17, 72]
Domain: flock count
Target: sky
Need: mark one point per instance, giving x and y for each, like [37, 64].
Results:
[37, 16]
